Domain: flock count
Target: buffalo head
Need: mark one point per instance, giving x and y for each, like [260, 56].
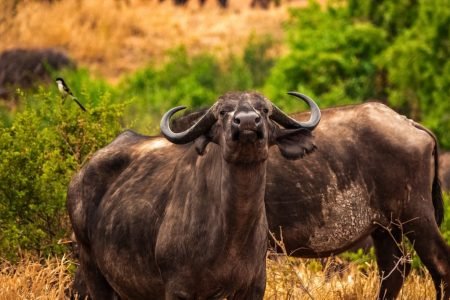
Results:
[245, 125]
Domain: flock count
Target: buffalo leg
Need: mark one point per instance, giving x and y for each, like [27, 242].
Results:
[79, 288]
[433, 251]
[254, 291]
[97, 285]
[393, 270]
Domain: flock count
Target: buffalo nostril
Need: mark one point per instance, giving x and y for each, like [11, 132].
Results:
[257, 120]
[237, 120]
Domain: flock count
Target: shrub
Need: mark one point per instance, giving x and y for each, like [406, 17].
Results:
[418, 68]
[193, 81]
[329, 57]
[396, 52]
[42, 148]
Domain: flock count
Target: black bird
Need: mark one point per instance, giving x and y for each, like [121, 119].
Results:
[65, 91]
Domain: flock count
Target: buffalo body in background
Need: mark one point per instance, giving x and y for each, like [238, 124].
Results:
[374, 173]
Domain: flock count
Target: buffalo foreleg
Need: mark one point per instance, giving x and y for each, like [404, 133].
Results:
[392, 266]
[254, 292]
[97, 286]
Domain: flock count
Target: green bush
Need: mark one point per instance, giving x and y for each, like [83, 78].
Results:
[331, 58]
[391, 16]
[418, 68]
[190, 81]
[393, 51]
[193, 81]
[445, 226]
[44, 145]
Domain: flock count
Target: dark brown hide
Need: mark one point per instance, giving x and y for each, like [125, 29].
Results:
[158, 221]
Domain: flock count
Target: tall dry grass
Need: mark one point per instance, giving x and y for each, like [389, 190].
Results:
[291, 278]
[113, 36]
[32, 279]
[287, 278]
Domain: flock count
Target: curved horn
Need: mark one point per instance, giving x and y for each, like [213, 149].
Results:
[287, 122]
[190, 134]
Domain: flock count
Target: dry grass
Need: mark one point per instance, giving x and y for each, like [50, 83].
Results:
[34, 280]
[290, 278]
[287, 278]
[112, 36]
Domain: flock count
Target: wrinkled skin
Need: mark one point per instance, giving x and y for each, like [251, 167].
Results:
[373, 174]
[156, 220]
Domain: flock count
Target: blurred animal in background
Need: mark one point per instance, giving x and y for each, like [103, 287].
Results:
[444, 171]
[264, 3]
[222, 3]
[23, 68]
[65, 91]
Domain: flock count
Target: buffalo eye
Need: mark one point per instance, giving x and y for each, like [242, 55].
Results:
[222, 112]
[265, 110]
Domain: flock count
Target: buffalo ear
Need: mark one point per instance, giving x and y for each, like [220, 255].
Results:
[294, 143]
[200, 144]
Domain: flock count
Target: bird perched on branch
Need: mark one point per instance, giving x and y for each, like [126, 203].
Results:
[65, 91]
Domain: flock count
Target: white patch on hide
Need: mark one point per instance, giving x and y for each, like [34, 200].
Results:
[346, 215]
[153, 145]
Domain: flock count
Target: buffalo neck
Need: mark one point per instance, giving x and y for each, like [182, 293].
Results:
[242, 198]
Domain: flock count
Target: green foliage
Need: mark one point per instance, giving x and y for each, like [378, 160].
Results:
[257, 61]
[192, 81]
[394, 51]
[360, 257]
[42, 148]
[86, 88]
[330, 58]
[392, 16]
[418, 68]
[445, 226]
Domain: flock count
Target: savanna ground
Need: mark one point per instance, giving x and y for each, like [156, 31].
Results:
[112, 38]
[287, 278]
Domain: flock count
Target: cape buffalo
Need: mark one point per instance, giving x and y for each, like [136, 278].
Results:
[373, 174]
[160, 221]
